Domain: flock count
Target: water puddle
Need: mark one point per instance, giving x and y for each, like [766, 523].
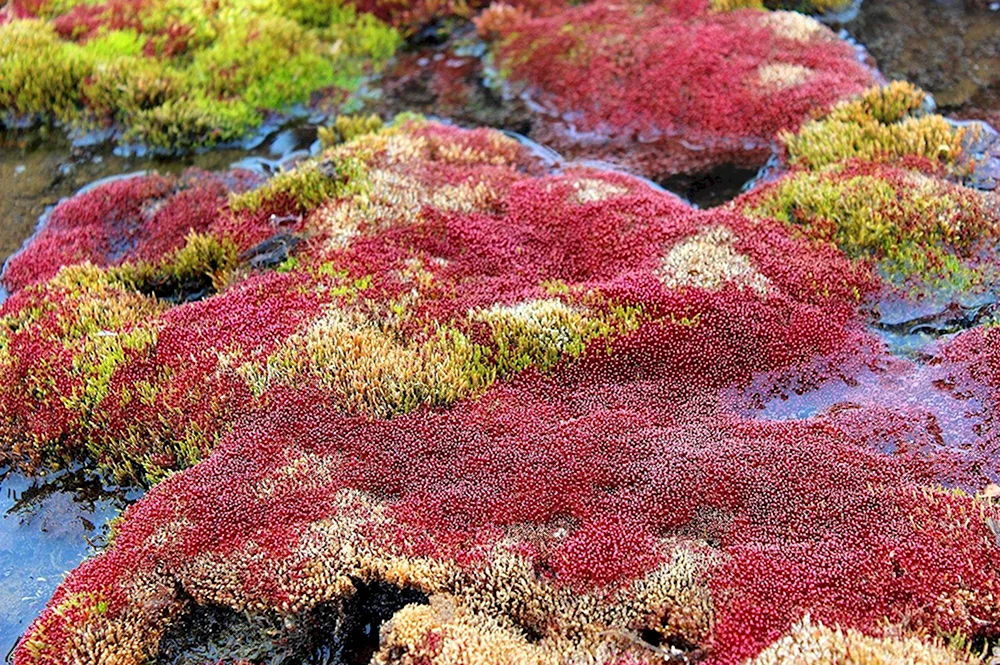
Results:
[48, 526]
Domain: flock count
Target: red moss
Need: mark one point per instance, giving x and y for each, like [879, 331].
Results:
[588, 468]
[530, 233]
[803, 519]
[684, 92]
[138, 218]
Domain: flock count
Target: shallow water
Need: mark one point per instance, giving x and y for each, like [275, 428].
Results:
[39, 167]
[48, 526]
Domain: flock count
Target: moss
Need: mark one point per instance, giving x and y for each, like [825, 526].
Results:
[183, 74]
[912, 224]
[338, 172]
[308, 186]
[95, 313]
[41, 75]
[884, 124]
[733, 5]
[347, 127]
[203, 265]
[541, 333]
[804, 6]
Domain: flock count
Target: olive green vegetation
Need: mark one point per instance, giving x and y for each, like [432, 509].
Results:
[884, 124]
[804, 6]
[341, 170]
[913, 225]
[347, 127]
[872, 177]
[187, 75]
[204, 264]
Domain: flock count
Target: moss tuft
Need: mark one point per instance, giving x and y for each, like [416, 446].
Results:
[180, 74]
[884, 124]
[912, 224]
[347, 127]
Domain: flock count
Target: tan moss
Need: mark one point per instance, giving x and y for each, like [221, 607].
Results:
[793, 25]
[810, 642]
[373, 369]
[776, 77]
[394, 198]
[591, 190]
[376, 169]
[733, 5]
[442, 634]
[709, 260]
[348, 127]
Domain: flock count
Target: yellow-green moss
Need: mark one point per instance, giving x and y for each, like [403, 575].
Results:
[804, 6]
[733, 5]
[203, 259]
[347, 127]
[912, 224]
[340, 171]
[96, 313]
[240, 60]
[542, 333]
[884, 124]
[309, 185]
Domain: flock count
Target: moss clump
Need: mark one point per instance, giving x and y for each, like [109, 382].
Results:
[97, 321]
[804, 6]
[342, 170]
[912, 224]
[543, 333]
[308, 186]
[884, 124]
[181, 74]
[347, 127]
[733, 5]
[203, 265]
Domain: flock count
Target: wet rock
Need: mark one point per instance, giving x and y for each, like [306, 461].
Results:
[272, 252]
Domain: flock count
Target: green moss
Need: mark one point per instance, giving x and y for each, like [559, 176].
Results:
[542, 333]
[733, 5]
[225, 68]
[204, 264]
[95, 313]
[41, 74]
[911, 224]
[325, 178]
[348, 127]
[884, 124]
[804, 6]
